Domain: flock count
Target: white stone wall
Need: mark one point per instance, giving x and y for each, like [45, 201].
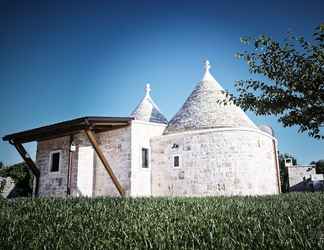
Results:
[304, 178]
[214, 162]
[142, 132]
[116, 146]
[8, 186]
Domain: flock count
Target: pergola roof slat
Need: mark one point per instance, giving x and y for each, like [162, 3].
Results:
[98, 124]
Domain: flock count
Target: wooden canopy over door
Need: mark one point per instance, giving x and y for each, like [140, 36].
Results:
[90, 125]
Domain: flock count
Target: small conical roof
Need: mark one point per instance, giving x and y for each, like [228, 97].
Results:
[147, 110]
[203, 110]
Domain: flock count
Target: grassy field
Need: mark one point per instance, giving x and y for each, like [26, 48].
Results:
[286, 221]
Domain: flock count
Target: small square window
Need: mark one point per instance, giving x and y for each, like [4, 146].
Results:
[55, 162]
[176, 161]
[145, 160]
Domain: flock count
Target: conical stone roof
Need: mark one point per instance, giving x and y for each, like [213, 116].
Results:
[147, 110]
[202, 109]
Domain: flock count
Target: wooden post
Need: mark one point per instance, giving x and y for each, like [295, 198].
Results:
[104, 161]
[30, 163]
[277, 165]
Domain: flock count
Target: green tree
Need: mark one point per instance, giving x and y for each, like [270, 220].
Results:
[293, 88]
[320, 167]
[284, 178]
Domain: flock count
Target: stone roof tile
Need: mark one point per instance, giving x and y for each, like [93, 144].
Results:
[202, 109]
[147, 110]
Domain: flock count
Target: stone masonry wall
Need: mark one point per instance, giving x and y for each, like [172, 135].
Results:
[116, 146]
[8, 186]
[214, 162]
[304, 178]
[52, 183]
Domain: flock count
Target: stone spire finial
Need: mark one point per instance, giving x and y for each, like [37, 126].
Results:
[147, 89]
[208, 76]
[207, 66]
[203, 109]
[147, 110]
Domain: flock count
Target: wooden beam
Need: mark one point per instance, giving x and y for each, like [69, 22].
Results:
[104, 161]
[30, 163]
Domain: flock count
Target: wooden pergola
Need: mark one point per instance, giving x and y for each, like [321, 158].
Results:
[90, 125]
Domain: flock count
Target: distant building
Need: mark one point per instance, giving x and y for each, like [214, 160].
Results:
[207, 149]
[304, 178]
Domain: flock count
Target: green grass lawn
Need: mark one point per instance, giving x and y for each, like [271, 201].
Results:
[285, 221]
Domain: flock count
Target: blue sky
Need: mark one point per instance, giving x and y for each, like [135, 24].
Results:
[64, 59]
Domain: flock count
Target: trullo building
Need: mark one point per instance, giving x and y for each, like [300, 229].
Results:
[206, 149]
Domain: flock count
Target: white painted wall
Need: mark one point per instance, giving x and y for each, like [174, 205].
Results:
[141, 134]
[85, 171]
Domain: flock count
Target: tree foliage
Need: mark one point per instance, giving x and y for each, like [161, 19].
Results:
[293, 88]
[21, 176]
[320, 167]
